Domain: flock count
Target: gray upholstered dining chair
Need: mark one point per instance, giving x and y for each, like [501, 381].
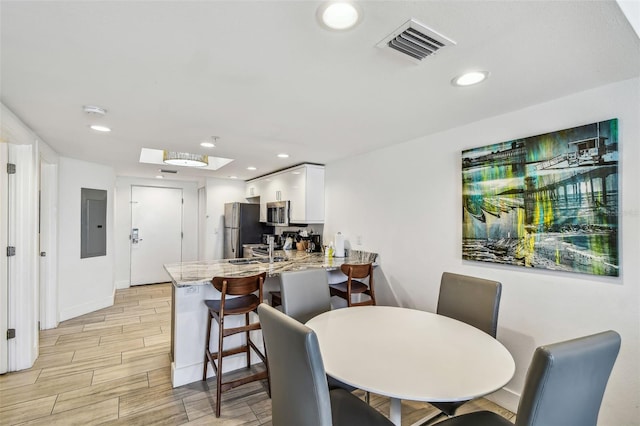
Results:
[472, 300]
[299, 391]
[305, 294]
[564, 385]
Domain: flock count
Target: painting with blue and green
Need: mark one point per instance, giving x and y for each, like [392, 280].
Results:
[548, 201]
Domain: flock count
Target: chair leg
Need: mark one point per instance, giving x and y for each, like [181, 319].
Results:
[372, 295]
[207, 340]
[246, 323]
[266, 364]
[219, 372]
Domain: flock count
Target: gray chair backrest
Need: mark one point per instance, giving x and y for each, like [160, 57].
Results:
[472, 300]
[299, 390]
[566, 381]
[305, 294]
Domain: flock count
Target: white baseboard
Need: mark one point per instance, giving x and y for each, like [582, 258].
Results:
[122, 284]
[85, 308]
[506, 398]
[193, 373]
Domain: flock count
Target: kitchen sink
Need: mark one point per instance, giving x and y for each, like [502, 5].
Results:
[243, 261]
[256, 260]
[275, 259]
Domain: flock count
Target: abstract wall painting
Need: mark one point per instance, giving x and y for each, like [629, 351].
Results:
[547, 201]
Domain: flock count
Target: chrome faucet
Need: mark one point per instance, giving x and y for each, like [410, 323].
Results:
[270, 239]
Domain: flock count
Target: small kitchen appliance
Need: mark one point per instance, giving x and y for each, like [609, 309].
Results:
[278, 213]
[315, 243]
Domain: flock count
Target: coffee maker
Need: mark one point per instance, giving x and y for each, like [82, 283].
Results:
[315, 243]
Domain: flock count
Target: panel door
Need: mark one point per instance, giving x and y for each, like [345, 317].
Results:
[156, 234]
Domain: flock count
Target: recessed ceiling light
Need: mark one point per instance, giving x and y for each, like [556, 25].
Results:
[233, 177]
[470, 78]
[207, 144]
[94, 110]
[100, 128]
[283, 155]
[159, 177]
[251, 168]
[339, 15]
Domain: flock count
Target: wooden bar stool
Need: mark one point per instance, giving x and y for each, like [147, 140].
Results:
[352, 286]
[245, 303]
[276, 298]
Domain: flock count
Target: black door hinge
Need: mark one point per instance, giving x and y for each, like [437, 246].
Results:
[11, 251]
[11, 333]
[11, 169]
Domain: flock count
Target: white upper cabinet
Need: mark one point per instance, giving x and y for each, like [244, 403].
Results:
[252, 189]
[302, 185]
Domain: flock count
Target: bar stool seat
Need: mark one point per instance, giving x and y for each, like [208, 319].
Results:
[346, 289]
[235, 306]
[356, 287]
[245, 302]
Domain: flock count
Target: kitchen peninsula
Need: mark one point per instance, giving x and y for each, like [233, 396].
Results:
[191, 286]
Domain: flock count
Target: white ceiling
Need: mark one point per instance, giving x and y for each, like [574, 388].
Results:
[266, 78]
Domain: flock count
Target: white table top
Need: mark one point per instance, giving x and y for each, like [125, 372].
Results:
[410, 354]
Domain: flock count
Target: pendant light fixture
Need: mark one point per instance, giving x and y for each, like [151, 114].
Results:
[185, 159]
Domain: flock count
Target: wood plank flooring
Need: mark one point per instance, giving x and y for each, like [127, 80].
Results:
[113, 367]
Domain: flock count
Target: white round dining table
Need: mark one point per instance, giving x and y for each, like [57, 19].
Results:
[410, 354]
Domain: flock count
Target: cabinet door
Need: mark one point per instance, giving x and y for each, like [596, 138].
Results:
[314, 194]
[252, 190]
[275, 189]
[262, 188]
[293, 184]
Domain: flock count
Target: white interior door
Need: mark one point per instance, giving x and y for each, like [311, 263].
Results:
[156, 232]
[4, 289]
[47, 251]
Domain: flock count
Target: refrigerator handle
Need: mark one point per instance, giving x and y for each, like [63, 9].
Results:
[234, 215]
[233, 245]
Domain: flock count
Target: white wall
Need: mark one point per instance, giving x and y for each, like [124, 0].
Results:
[219, 192]
[85, 285]
[414, 190]
[123, 222]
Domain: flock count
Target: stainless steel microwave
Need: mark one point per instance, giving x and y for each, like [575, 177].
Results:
[278, 213]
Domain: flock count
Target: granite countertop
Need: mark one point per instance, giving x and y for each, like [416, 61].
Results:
[200, 272]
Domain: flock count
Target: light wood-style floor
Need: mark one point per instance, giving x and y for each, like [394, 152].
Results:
[112, 367]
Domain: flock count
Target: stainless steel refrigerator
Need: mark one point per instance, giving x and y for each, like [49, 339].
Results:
[241, 226]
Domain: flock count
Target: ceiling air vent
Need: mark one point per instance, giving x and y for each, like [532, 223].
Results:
[415, 40]
[168, 171]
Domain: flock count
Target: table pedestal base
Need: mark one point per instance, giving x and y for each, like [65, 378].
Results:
[395, 411]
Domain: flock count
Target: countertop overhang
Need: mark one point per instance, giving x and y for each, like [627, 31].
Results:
[185, 274]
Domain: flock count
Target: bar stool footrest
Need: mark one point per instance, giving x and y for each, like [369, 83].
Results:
[263, 375]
